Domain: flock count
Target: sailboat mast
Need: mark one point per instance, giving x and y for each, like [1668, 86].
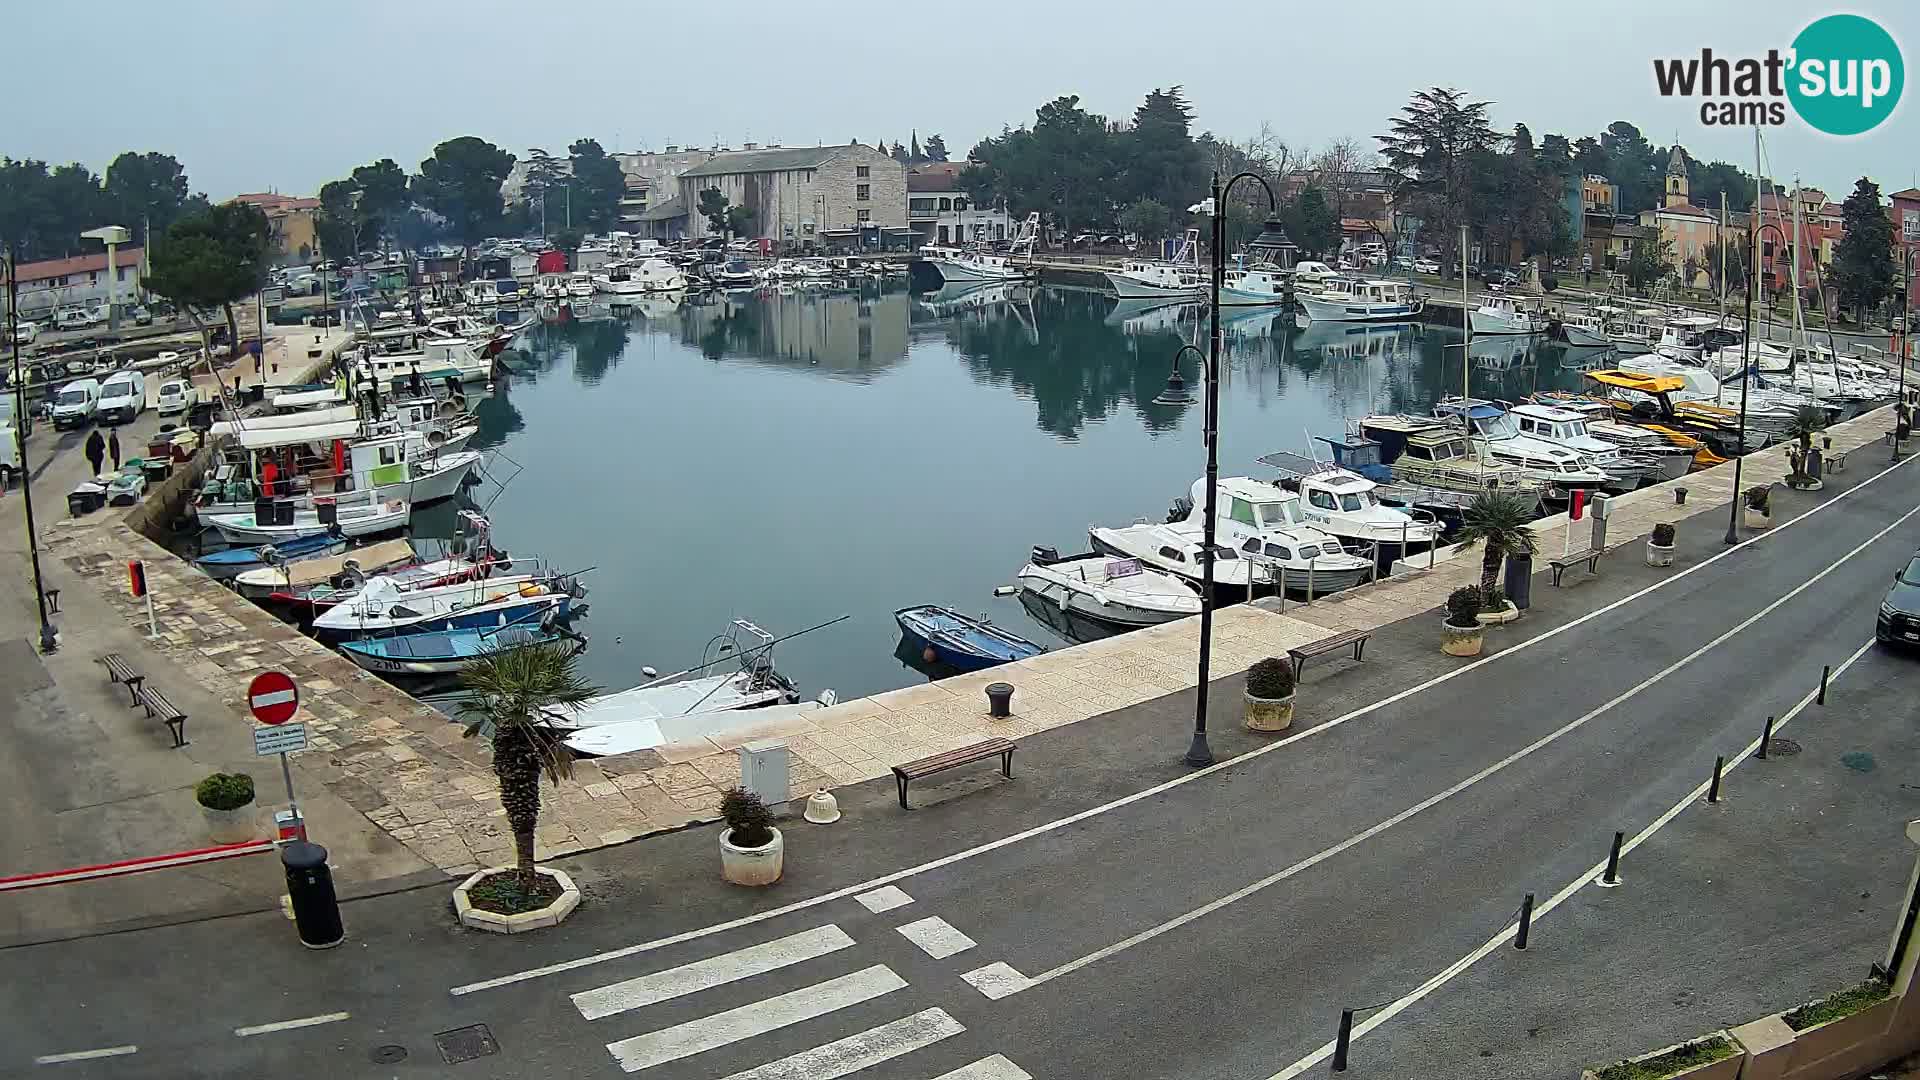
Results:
[1720, 242]
[1793, 268]
[1466, 318]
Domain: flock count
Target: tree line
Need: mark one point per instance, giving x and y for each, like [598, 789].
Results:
[44, 209]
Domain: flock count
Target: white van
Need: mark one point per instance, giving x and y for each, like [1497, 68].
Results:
[29, 331]
[175, 396]
[73, 407]
[72, 318]
[123, 397]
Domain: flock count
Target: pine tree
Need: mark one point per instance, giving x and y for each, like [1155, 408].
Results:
[1863, 262]
[913, 150]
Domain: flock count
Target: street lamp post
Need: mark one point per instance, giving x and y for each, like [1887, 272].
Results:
[1746, 373]
[1199, 753]
[1900, 408]
[49, 639]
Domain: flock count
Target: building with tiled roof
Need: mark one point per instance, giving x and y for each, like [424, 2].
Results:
[78, 280]
[843, 196]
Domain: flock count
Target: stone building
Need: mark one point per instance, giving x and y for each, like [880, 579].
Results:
[940, 212]
[806, 197]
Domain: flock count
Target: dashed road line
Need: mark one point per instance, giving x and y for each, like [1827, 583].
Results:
[713, 971]
[756, 1018]
[936, 937]
[996, 1067]
[885, 898]
[86, 1055]
[843, 1057]
[290, 1025]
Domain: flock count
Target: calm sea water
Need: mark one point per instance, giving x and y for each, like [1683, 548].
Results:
[790, 458]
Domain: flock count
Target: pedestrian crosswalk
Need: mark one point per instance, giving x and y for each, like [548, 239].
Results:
[697, 985]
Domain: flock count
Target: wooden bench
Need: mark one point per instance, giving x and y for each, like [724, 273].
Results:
[119, 671]
[158, 705]
[1590, 556]
[1303, 653]
[952, 759]
[1835, 460]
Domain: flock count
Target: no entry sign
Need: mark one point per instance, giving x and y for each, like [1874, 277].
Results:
[273, 697]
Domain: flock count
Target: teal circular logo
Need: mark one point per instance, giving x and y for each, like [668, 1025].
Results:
[1846, 76]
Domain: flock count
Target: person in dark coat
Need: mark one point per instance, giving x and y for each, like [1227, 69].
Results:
[113, 448]
[96, 450]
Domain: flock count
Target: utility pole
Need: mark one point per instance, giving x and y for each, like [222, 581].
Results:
[49, 639]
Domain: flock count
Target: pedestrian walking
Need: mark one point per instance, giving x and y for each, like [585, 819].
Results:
[96, 450]
[113, 448]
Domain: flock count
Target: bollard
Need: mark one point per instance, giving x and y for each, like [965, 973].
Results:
[1612, 877]
[316, 912]
[1679, 496]
[999, 700]
[1713, 790]
[1341, 1040]
[1526, 922]
[1766, 739]
[1825, 671]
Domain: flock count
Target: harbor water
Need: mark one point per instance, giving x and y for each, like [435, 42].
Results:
[789, 457]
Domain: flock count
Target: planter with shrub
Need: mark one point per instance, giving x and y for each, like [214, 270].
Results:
[1840, 1020]
[1462, 634]
[1715, 1057]
[510, 900]
[226, 799]
[1660, 546]
[1758, 507]
[1270, 695]
[751, 849]
[1495, 608]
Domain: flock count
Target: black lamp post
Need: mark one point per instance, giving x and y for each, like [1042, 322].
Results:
[1746, 373]
[49, 639]
[1199, 753]
[1901, 413]
[1176, 392]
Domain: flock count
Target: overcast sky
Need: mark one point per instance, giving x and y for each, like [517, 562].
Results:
[253, 96]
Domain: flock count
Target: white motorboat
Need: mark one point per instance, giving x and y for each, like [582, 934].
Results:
[1682, 338]
[1265, 522]
[1176, 278]
[1359, 300]
[1584, 330]
[1262, 276]
[364, 519]
[353, 570]
[385, 605]
[641, 277]
[263, 581]
[580, 285]
[1566, 428]
[1115, 592]
[1506, 315]
[1344, 503]
[437, 359]
[1668, 459]
[1496, 435]
[736, 724]
[1429, 453]
[958, 265]
[1176, 548]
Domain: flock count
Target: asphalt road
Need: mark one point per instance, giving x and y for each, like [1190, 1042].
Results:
[1205, 924]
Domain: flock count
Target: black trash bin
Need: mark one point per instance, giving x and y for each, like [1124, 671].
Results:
[316, 913]
[1519, 581]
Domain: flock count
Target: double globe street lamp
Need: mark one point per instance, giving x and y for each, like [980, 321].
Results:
[1746, 376]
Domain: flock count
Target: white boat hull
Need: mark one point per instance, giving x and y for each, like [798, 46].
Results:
[1580, 337]
[451, 471]
[353, 521]
[1486, 323]
[1128, 288]
[1321, 310]
[955, 272]
[1107, 603]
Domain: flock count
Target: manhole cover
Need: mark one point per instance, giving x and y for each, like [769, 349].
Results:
[387, 1055]
[1782, 747]
[465, 1044]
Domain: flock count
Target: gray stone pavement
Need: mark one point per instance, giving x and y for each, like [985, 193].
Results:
[1210, 928]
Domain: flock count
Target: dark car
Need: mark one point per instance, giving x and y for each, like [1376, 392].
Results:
[1899, 620]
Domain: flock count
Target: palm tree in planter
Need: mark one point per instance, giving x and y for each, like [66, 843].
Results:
[1499, 521]
[1808, 421]
[514, 698]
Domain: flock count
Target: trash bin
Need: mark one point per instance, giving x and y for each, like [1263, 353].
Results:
[1519, 582]
[999, 700]
[157, 469]
[316, 913]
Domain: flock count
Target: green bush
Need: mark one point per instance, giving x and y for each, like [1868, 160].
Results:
[1660, 1066]
[224, 791]
[1663, 535]
[1271, 678]
[1759, 497]
[1493, 600]
[1463, 604]
[747, 816]
[1836, 1005]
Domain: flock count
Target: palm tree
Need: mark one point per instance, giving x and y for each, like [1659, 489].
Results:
[515, 694]
[1808, 421]
[1499, 518]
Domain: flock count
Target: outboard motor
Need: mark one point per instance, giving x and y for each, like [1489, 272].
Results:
[1043, 555]
[1181, 510]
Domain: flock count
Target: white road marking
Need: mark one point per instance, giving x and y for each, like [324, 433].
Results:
[1545, 740]
[86, 1055]
[856, 1052]
[756, 1018]
[713, 971]
[1157, 789]
[885, 898]
[1451, 971]
[997, 980]
[936, 937]
[996, 1067]
[289, 1025]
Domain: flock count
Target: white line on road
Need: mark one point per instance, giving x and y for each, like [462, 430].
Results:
[1453, 970]
[711, 972]
[936, 937]
[755, 1018]
[996, 1067]
[289, 1025]
[997, 980]
[86, 1055]
[855, 1052]
[1545, 740]
[885, 898]
[1157, 789]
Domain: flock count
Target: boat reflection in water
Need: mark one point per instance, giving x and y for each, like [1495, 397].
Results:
[1070, 626]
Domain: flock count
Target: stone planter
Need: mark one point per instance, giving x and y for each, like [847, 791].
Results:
[1809, 484]
[1499, 618]
[551, 915]
[1461, 640]
[752, 866]
[1756, 519]
[232, 826]
[1658, 555]
[1727, 1068]
[1269, 714]
[1844, 1036]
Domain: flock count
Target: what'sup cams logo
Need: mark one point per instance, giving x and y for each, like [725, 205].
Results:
[1843, 76]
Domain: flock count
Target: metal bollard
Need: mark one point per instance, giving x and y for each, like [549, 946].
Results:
[1826, 670]
[1679, 496]
[1612, 877]
[1766, 739]
[1342, 1040]
[1526, 922]
[1713, 790]
[316, 912]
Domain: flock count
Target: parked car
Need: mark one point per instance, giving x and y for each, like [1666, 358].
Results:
[122, 397]
[29, 331]
[140, 315]
[1899, 619]
[1425, 266]
[175, 396]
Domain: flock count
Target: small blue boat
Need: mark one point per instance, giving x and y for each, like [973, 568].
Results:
[960, 641]
[443, 652]
[233, 562]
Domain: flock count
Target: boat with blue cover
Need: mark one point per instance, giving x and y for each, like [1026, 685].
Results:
[960, 641]
[445, 652]
[221, 565]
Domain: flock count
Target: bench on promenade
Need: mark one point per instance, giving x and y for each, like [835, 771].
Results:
[1590, 556]
[1326, 645]
[1835, 460]
[119, 671]
[158, 705]
[953, 759]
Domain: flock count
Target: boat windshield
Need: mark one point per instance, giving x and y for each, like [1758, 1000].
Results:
[1499, 427]
[1574, 429]
[1279, 513]
[1357, 500]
